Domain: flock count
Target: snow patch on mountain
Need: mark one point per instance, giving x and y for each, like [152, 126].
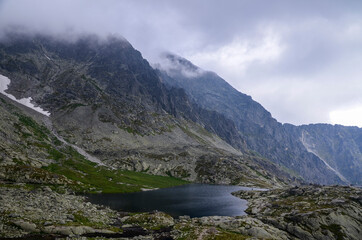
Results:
[4, 84]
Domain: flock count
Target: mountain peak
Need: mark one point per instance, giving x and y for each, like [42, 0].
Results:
[263, 134]
[175, 65]
[180, 61]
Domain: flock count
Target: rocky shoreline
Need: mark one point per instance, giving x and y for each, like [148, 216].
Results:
[42, 213]
[42, 210]
[308, 212]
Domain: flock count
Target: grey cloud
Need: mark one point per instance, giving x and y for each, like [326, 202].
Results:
[320, 58]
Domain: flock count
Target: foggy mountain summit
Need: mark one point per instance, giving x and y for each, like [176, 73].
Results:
[69, 78]
[282, 143]
[304, 52]
[108, 100]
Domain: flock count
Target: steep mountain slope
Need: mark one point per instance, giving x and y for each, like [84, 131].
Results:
[339, 146]
[105, 98]
[33, 156]
[283, 144]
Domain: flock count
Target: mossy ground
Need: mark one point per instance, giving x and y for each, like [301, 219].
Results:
[336, 230]
[189, 231]
[86, 176]
[223, 235]
[38, 142]
[94, 178]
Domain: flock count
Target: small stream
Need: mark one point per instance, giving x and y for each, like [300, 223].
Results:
[194, 200]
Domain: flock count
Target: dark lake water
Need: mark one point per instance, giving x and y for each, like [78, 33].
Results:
[195, 200]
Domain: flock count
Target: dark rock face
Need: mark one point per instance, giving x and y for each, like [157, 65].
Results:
[91, 72]
[104, 97]
[261, 133]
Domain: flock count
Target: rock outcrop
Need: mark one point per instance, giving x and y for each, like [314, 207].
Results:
[309, 212]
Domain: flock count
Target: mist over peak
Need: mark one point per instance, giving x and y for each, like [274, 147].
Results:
[282, 50]
[18, 35]
[173, 65]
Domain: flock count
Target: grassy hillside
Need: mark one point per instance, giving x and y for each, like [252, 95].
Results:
[31, 154]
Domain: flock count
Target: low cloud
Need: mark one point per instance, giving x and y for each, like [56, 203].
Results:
[300, 59]
[173, 64]
[349, 117]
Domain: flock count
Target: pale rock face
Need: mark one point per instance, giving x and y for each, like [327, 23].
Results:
[311, 148]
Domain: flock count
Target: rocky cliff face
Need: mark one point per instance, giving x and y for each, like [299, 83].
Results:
[338, 146]
[105, 98]
[283, 144]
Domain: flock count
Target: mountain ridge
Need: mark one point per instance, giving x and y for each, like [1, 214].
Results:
[108, 100]
[278, 142]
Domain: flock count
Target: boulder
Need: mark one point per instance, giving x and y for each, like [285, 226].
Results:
[26, 226]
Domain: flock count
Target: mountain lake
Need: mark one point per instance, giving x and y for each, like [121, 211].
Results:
[194, 200]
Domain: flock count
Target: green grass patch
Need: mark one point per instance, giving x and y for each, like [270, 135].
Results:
[98, 178]
[38, 130]
[56, 141]
[72, 106]
[153, 221]
[55, 154]
[336, 230]
[79, 218]
[204, 132]
[191, 134]
[130, 130]
[91, 81]
[227, 235]
[189, 231]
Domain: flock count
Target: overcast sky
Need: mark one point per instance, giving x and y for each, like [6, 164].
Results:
[302, 60]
